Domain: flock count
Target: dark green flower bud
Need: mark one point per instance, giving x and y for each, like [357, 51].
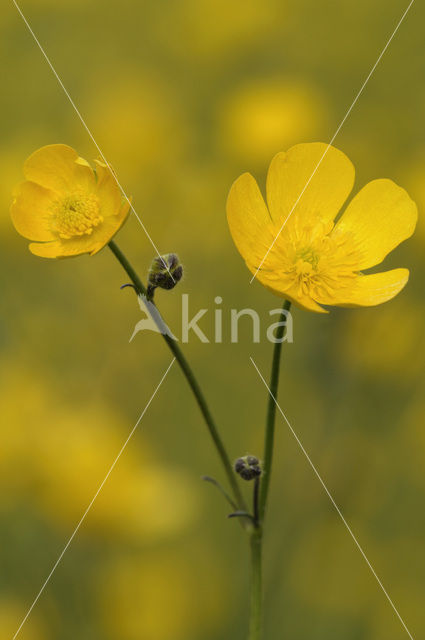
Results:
[248, 467]
[239, 465]
[165, 272]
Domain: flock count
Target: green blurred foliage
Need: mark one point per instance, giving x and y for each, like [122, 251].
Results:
[182, 96]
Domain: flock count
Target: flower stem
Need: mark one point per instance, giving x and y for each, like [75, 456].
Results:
[256, 610]
[255, 496]
[191, 379]
[271, 413]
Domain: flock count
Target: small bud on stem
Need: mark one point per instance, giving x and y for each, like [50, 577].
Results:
[248, 467]
[165, 272]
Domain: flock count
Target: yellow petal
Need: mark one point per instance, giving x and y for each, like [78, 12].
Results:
[285, 288]
[110, 227]
[108, 190]
[246, 214]
[324, 187]
[303, 302]
[65, 248]
[380, 217]
[370, 290]
[59, 167]
[47, 249]
[29, 211]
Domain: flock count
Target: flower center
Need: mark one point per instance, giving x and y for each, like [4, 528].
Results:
[312, 260]
[305, 268]
[76, 215]
[306, 261]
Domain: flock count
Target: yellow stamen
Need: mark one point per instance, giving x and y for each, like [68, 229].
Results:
[314, 260]
[75, 215]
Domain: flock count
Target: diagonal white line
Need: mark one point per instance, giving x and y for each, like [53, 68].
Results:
[83, 122]
[338, 510]
[55, 566]
[334, 136]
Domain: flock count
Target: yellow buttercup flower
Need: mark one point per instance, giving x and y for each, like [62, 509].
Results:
[65, 206]
[315, 260]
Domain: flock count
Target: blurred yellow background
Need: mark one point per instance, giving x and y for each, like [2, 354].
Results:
[183, 96]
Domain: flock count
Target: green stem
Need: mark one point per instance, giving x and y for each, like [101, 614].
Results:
[191, 379]
[255, 495]
[256, 610]
[271, 413]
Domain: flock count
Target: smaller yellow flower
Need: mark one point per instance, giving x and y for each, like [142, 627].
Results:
[65, 206]
[314, 260]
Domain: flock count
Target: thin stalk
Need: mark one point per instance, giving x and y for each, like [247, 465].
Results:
[191, 379]
[255, 497]
[271, 414]
[256, 609]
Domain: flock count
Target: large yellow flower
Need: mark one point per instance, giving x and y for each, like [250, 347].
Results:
[314, 259]
[66, 206]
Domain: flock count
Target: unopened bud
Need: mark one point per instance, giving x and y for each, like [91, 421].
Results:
[165, 272]
[248, 467]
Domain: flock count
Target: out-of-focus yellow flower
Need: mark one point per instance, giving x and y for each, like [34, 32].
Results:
[143, 500]
[191, 28]
[303, 255]
[12, 613]
[142, 117]
[164, 595]
[325, 555]
[405, 590]
[381, 345]
[262, 117]
[66, 206]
